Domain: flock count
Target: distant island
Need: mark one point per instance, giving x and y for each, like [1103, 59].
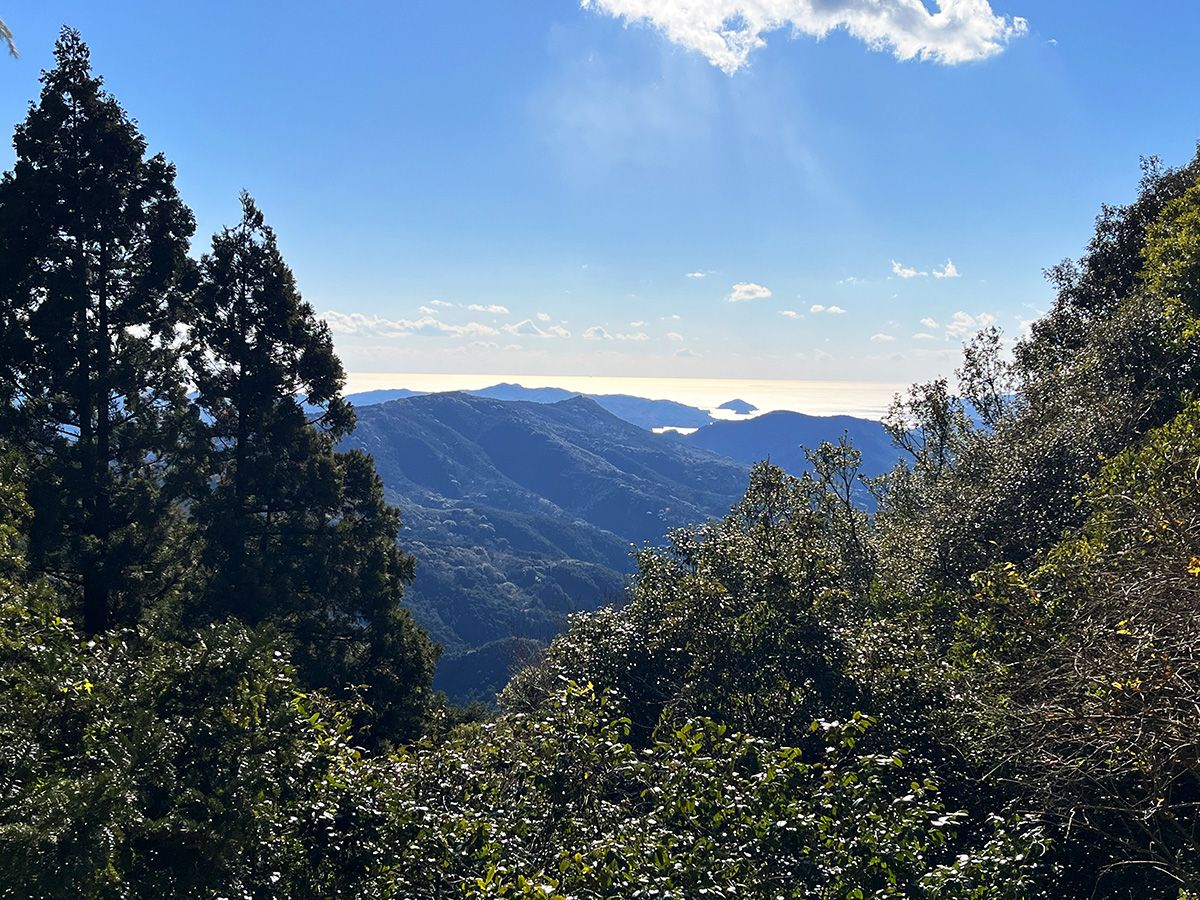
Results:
[741, 407]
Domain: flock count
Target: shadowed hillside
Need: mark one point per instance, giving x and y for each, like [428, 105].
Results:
[639, 411]
[782, 437]
[519, 513]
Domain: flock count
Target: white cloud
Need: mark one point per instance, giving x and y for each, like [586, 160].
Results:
[485, 345]
[686, 354]
[930, 322]
[882, 338]
[672, 318]
[902, 271]
[674, 336]
[748, 290]
[543, 317]
[924, 336]
[527, 328]
[789, 314]
[962, 323]
[727, 31]
[441, 303]
[597, 333]
[426, 310]
[828, 310]
[849, 279]
[494, 308]
[633, 336]
[426, 326]
[638, 324]
[697, 274]
[947, 271]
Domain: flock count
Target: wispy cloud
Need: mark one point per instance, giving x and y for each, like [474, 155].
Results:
[902, 271]
[597, 333]
[674, 336]
[883, 338]
[827, 310]
[527, 328]
[947, 271]
[426, 326]
[543, 317]
[963, 323]
[686, 354]
[748, 290]
[494, 308]
[789, 314]
[726, 32]
[600, 333]
[930, 322]
[697, 274]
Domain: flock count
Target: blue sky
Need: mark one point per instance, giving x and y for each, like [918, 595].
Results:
[526, 187]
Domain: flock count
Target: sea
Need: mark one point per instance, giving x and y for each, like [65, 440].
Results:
[867, 400]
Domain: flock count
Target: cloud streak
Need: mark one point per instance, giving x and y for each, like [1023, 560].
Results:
[426, 326]
[726, 32]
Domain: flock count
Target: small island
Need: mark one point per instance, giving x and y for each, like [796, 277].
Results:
[740, 407]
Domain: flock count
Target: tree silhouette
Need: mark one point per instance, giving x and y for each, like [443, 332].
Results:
[296, 534]
[94, 239]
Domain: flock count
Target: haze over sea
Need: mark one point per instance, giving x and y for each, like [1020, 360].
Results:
[868, 400]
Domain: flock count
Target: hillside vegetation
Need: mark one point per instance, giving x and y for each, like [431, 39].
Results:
[524, 511]
[209, 685]
[520, 513]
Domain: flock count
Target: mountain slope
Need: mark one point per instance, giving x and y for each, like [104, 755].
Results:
[782, 435]
[519, 513]
[637, 410]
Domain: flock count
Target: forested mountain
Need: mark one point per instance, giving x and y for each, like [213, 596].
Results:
[210, 686]
[783, 436]
[520, 513]
[370, 398]
[640, 411]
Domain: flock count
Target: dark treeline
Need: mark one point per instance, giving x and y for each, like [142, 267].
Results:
[148, 506]
[209, 686]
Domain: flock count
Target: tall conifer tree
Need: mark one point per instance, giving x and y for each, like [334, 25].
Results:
[297, 534]
[94, 240]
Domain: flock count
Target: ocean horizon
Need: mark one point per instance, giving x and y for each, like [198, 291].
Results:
[867, 400]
